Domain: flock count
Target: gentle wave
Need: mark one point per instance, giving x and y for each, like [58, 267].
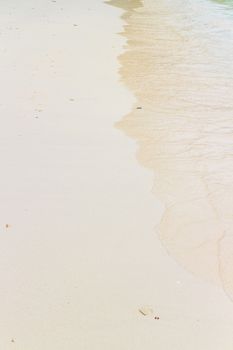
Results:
[178, 62]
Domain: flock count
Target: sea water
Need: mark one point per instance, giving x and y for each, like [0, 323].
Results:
[178, 62]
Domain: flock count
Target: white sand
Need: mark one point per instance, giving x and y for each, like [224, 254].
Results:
[80, 256]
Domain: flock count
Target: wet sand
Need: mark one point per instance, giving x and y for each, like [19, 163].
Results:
[81, 265]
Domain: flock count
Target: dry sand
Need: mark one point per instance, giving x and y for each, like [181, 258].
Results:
[80, 263]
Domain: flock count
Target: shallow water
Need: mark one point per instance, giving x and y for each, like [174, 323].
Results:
[178, 62]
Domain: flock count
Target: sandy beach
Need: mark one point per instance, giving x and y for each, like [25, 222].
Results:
[82, 262]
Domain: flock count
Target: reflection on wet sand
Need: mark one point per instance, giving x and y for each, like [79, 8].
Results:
[178, 63]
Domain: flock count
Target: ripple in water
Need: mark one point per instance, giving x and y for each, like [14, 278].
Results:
[178, 63]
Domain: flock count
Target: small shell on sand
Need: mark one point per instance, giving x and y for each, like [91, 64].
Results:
[146, 310]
